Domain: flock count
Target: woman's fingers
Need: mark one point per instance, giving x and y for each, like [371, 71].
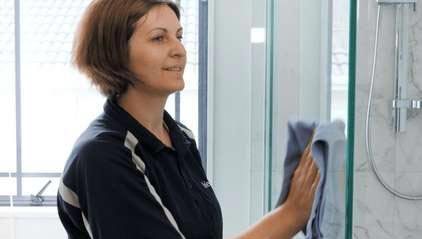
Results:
[315, 183]
[303, 158]
[306, 167]
[312, 171]
[317, 178]
[307, 152]
[309, 160]
[312, 135]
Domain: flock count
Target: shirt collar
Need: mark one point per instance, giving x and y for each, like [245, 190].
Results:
[144, 136]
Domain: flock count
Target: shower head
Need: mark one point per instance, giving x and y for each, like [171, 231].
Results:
[396, 1]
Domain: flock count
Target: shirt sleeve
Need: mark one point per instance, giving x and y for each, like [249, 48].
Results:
[115, 198]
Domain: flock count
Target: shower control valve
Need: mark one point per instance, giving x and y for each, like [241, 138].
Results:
[396, 1]
[407, 104]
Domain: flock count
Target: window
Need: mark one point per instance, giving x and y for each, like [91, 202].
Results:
[46, 103]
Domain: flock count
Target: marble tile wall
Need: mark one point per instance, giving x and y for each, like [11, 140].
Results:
[377, 213]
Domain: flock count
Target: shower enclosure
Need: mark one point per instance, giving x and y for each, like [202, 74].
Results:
[380, 101]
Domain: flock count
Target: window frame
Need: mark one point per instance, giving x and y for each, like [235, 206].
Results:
[25, 200]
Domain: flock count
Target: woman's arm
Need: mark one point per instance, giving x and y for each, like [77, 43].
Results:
[288, 219]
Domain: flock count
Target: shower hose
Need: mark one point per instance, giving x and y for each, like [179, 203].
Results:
[369, 121]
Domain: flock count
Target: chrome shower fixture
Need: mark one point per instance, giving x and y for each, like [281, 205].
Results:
[400, 103]
[395, 1]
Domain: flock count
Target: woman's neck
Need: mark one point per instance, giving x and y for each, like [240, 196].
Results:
[146, 108]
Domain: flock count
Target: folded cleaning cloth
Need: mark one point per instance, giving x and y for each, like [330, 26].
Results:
[328, 152]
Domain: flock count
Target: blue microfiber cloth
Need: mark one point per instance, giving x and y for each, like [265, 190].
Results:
[327, 150]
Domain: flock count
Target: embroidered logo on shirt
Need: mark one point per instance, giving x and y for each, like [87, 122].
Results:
[206, 184]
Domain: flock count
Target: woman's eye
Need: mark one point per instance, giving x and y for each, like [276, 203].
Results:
[160, 38]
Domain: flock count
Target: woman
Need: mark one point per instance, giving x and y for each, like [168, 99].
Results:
[135, 172]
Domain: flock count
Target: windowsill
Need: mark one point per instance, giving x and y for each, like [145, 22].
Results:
[28, 212]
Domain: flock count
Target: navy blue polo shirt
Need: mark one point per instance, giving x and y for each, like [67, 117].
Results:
[120, 181]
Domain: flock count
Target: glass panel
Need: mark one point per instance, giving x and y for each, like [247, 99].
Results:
[311, 85]
[261, 48]
[340, 60]
[32, 185]
[57, 102]
[7, 87]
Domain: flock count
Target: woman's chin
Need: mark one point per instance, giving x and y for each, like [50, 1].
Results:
[176, 87]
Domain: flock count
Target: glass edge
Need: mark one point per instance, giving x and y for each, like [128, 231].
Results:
[351, 119]
[269, 70]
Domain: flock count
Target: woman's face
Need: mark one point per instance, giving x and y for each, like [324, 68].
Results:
[156, 54]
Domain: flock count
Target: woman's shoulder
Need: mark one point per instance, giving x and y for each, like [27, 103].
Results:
[99, 143]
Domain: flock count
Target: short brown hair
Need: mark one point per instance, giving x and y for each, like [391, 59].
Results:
[101, 45]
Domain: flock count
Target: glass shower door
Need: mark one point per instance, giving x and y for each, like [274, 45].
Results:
[308, 80]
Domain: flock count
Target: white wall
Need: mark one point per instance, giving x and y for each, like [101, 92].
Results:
[34, 223]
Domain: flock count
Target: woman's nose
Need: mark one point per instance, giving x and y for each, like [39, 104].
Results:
[178, 50]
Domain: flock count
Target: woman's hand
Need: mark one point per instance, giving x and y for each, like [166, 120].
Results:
[303, 186]
[289, 218]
